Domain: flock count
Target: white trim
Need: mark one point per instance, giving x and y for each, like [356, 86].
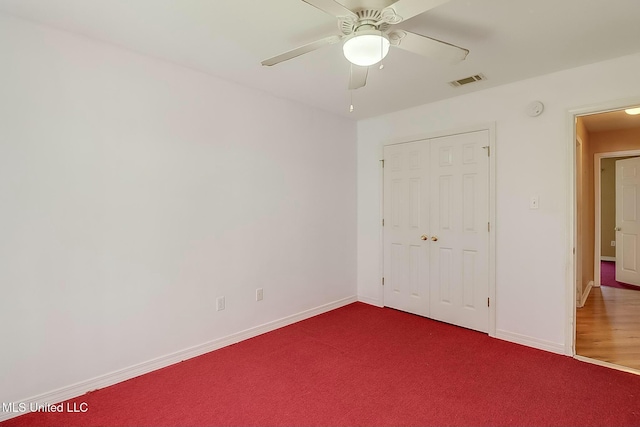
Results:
[530, 341]
[571, 271]
[491, 128]
[585, 293]
[371, 301]
[597, 217]
[607, 258]
[441, 133]
[80, 388]
[381, 229]
[492, 230]
[597, 184]
[570, 285]
[607, 364]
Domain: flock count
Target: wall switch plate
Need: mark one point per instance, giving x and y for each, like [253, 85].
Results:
[220, 303]
[613, 243]
[534, 202]
[259, 294]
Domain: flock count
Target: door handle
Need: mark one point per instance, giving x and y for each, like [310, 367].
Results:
[424, 237]
[618, 229]
[434, 238]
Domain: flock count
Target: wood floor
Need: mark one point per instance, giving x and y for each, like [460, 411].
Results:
[608, 326]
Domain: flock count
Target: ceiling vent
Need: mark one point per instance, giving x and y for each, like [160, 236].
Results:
[467, 80]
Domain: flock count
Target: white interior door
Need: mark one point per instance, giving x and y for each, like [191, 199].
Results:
[459, 225]
[436, 240]
[628, 221]
[406, 216]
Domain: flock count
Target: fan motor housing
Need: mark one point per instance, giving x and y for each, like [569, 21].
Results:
[367, 18]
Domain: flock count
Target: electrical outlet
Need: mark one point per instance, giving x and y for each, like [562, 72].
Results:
[613, 243]
[220, 303]
[259, 294]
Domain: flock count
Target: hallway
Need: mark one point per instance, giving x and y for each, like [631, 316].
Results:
[608, 326]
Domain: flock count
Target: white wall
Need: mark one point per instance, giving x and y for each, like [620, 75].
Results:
[134, 192]
[532, 260]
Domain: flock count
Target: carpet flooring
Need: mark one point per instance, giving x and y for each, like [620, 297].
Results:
[363, 365]
[608, 276]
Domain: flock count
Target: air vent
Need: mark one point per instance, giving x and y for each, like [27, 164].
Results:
[467, 80]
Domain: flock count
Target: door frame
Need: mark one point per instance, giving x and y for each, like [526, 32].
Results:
[570, 287]
[579, 227]
[491, 128]
[597, 184]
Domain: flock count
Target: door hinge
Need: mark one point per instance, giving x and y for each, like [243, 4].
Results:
[383, 222]
[383, 281]
[382, 163]
[489, 226]
[486, 147]
[487, 302]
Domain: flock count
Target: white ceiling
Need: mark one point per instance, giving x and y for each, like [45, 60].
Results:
[509, 40]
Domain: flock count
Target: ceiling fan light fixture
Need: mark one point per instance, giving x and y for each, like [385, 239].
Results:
[632, 111]
[366, 48]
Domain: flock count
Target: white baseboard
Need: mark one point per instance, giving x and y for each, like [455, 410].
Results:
[530, 341]
[370, 301]
[608, 258]
[80, 388]
[585, 294]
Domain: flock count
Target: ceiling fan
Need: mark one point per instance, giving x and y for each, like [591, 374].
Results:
[367, 35]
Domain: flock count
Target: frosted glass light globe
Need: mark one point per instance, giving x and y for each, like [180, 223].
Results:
[366, 48]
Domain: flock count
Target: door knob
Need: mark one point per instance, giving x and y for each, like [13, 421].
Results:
[424, 237]
[434, 238]
[618, 229]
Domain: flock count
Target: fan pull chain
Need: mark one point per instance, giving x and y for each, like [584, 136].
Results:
[351, 106]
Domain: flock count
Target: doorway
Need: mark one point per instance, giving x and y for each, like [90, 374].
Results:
[606, 320]
[605, 237]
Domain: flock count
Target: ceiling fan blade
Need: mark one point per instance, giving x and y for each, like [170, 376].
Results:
[301, 50]
[332, 8]
[358, 77]
[407, 9]
[426, 46]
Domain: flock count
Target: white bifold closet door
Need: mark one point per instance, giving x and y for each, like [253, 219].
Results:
[436, 237]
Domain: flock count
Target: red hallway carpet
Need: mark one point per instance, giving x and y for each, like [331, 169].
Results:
[362, 365]
[608, 277]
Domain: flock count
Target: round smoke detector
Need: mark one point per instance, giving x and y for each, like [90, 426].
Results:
[535, 108]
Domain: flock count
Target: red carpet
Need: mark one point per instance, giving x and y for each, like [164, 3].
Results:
[608, 276]
[362, 365]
